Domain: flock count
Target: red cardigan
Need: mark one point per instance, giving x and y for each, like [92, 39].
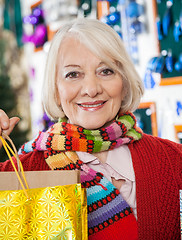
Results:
[158, 170]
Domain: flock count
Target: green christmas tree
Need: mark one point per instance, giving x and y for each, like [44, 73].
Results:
[8, 98]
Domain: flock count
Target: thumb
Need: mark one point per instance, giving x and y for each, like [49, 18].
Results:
[12, 122]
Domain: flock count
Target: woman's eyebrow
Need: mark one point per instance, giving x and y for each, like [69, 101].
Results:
[71, 65]
[104, 63]
[101, 63]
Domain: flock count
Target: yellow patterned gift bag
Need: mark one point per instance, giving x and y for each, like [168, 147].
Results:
[48, 213]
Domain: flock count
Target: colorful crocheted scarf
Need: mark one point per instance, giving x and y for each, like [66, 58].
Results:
[109, 216]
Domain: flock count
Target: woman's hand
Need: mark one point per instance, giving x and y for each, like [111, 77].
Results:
[7, 124]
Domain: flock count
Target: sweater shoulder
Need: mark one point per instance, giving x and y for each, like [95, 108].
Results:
[154, 152]
[157, 147]
[32, 161]
[161, 143]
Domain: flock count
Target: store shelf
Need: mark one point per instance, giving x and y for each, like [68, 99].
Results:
[171, 81]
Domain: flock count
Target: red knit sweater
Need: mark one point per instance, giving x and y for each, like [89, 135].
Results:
[158, 170]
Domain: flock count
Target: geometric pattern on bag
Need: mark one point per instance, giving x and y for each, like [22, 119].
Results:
[50, 213]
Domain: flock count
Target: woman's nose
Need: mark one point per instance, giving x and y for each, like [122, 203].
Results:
[91, 86]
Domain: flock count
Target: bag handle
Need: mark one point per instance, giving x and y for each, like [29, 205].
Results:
[8, 149]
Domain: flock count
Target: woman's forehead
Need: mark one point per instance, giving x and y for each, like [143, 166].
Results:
[73, 46]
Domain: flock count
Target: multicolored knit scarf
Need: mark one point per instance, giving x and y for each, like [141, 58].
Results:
[109, 216]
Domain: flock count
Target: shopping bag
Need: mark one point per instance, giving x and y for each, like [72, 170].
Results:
[49, 213]
[38, 179]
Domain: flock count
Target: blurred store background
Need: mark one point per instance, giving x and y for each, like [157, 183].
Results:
[150, 29]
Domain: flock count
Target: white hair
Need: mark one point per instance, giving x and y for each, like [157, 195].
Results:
[106, 44]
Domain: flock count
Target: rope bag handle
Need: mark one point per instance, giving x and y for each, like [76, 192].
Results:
[14, 152]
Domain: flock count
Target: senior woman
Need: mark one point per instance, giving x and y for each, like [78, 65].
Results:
[91, 89]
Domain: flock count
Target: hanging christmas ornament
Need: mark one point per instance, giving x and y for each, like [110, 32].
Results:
[149, 82]
[180, 58]
[85, 6]
[35, 18]
[159, 28]
[38, 38]
[111, 19]
[137, 26]
[114, 18]
[156, 64]
[38, 12]
[134, 10]
[178, 107]
[30, 19]
[177, 31]
[169, 61]
[134, 48]
[178, 66]
[166, 22]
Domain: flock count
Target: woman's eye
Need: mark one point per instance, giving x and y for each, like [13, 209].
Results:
[107, 71]
[72, 75]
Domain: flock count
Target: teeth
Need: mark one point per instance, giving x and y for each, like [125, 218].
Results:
[94, 105]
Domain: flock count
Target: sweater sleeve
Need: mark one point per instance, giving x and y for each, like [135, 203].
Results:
[32, 161]
[158, 170]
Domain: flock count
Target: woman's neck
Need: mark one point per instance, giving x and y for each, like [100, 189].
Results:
[102, 156]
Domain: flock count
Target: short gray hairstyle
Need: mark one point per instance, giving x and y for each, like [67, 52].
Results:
[106, 44]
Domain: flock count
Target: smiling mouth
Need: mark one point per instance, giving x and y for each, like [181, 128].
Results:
[92, 106]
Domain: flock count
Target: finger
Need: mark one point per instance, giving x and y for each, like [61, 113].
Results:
[4, 121]
[8, 124]
[9, 127]
[13, 122]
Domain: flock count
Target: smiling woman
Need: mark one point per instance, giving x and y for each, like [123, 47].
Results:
[133, 179]
[89, 92]
[97, 40]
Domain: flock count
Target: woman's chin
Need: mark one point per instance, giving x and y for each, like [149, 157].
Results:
[93, 125]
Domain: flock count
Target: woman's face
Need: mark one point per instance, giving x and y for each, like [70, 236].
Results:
[89, 91]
